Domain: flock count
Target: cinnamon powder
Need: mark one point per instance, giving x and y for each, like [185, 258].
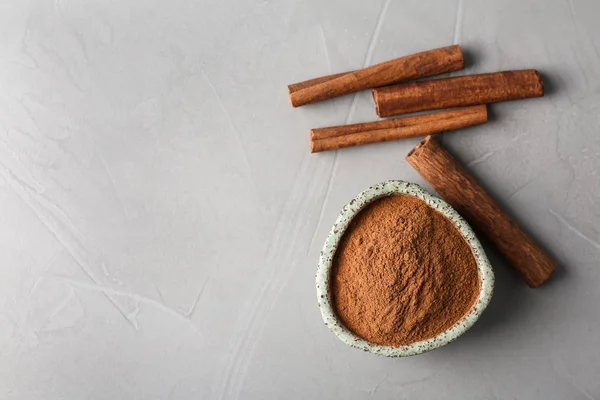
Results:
[402, 273]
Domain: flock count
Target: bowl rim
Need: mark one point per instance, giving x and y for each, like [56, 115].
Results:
[349, 211]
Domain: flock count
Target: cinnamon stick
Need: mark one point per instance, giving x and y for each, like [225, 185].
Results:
[414, 66]
[454, 184]
[457, 92]
[336, 137]
[294, 87]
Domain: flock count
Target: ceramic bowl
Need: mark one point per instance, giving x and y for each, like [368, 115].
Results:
[323, 276]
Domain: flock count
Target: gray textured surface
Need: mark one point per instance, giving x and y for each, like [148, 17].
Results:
[161, 216]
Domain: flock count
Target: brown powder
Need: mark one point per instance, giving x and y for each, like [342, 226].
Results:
[402, 273]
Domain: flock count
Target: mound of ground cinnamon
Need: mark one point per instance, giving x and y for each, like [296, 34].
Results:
[402, 273]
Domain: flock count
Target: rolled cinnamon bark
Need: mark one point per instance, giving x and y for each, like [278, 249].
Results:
[414, 66]
[294, 87]
[336, 137]
[457, 92]
[453, 183]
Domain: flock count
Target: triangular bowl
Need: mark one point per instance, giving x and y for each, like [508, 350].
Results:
[486, 275]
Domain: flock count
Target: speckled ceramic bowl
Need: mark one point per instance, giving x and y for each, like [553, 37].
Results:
[351, 209]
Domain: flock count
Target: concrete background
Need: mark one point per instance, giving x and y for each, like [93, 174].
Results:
[161, 216]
